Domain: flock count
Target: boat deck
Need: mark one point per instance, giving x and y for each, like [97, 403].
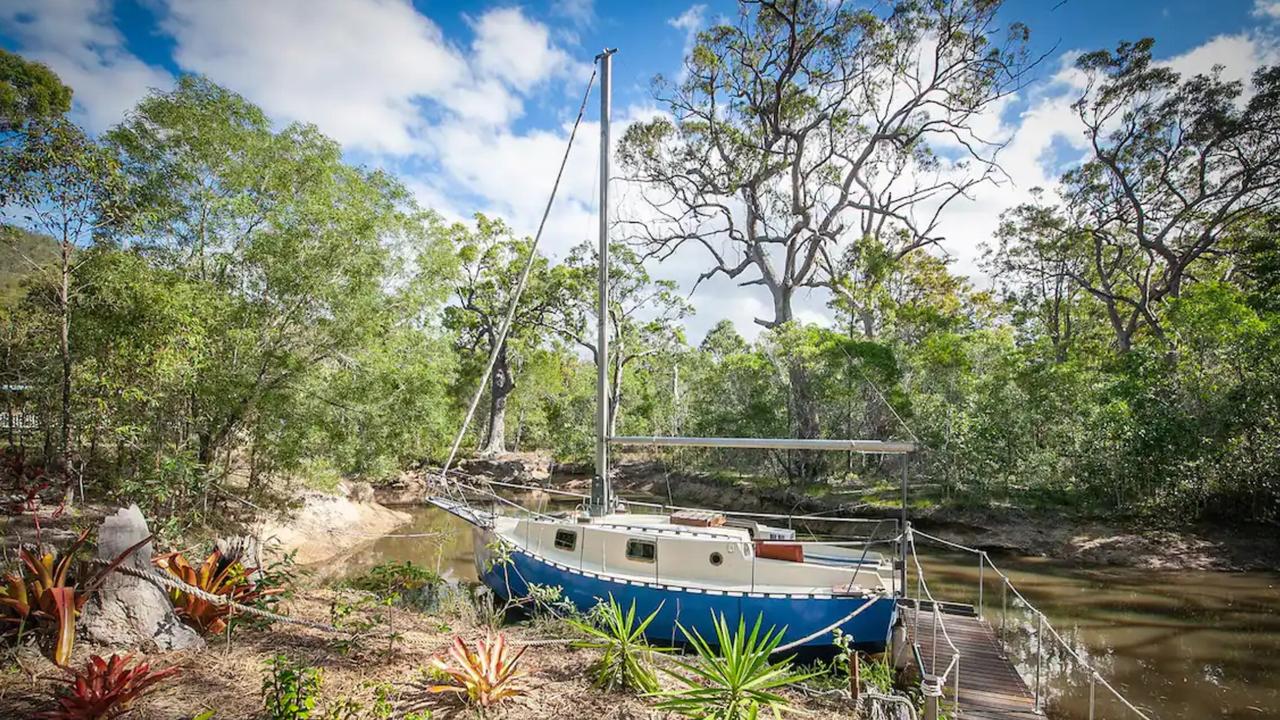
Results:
[990, 686]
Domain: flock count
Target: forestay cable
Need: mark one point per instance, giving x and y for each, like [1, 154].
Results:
[515, 298]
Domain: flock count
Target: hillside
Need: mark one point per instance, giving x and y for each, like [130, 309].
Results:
[18, 249]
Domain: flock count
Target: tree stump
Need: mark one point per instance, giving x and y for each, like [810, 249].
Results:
[128, 611]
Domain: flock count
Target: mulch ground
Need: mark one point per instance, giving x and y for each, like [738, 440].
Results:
[228, 679]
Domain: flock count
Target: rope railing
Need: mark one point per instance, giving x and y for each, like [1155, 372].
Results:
[952, 669]
[1043, 625]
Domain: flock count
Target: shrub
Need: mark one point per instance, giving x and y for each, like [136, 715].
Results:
[105, 689]
[735, 683]
[404, 583]
[289, 691]
[627, 657]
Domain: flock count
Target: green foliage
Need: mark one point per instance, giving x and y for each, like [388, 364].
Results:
[364, 616]
[626, 659]
[290, 691]
[401, 582]
[733, 681]
[29, 93]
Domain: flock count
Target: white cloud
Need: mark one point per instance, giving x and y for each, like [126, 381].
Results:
[579, 12]
[1239, 55]
[357, 68]
[1269, 9]
[690, 22]
[78, 41]
[365, 70]
[510, 46]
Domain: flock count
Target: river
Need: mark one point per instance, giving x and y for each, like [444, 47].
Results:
[1187, 645]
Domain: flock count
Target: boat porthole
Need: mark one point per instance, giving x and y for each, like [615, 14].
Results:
[716, 558]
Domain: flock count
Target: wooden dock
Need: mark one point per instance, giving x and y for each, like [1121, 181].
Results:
[990, 686]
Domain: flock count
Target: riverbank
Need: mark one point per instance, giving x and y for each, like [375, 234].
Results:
[326, 525]
[998, 528]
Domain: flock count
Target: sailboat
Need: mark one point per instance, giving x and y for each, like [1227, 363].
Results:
[690, 566]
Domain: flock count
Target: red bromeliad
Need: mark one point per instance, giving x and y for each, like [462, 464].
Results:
[220, 575]
[47, 596]
[105, 689]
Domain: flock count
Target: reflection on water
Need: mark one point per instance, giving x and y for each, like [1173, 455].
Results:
[1186, 645]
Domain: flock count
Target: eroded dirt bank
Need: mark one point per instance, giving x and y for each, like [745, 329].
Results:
[1074, 539]
[327, 525]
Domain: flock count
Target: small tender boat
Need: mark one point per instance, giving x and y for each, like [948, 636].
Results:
[688, 565]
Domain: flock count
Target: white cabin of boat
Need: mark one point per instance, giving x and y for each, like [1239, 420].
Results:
[730, 556]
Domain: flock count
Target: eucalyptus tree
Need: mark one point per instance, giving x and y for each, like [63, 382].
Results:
[1037, 261]
[293, 245]
[491, 258]
[808, 123]
[29, 93]
[643, 319]
[62, 184]
[1176, 165]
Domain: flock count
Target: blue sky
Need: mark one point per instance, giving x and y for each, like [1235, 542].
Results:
[469, 101]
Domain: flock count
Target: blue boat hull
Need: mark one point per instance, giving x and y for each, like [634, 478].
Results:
[801, 615]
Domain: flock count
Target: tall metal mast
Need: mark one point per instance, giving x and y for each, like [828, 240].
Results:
[601, 490]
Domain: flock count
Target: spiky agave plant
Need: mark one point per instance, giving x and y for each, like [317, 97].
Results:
[219, 574]
[737, 681]
[484, 677]
[105, 689]
[627, 657]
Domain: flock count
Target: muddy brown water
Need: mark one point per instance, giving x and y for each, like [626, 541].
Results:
[1185, 645]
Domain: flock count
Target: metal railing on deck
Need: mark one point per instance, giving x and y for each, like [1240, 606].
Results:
[1043, 628]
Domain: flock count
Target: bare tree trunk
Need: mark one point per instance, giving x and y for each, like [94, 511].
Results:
[500, 388]
[64, 350]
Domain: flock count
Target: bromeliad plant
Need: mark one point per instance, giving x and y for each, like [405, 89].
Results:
[222, 575]
[105, 689]
[627, 660]
[735, 683]
[46, 595]
[484, 677]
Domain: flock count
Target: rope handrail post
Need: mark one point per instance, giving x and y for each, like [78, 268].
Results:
[931, 689]
[1039, 653]
[933, 660]
[955, 701]
[982, 561]
[1093, 687]
[1004, 614]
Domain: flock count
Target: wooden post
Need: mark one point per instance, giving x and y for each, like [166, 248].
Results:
[931, 690]
[982, 562]
[855, 673]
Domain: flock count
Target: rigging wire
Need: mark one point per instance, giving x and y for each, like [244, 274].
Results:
[515, 298]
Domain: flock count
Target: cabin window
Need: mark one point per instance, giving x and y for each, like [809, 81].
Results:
[717, 559]
[642, 550]
[566, 540]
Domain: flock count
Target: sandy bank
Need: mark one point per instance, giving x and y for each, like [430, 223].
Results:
[328, 525]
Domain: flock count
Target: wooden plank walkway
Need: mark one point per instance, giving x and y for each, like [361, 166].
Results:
[990, 686]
